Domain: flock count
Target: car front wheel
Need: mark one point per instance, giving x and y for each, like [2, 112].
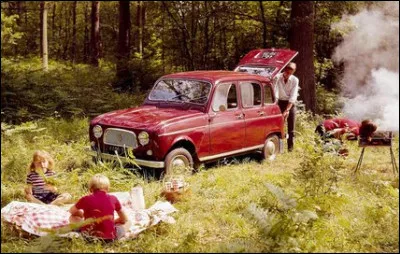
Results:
[271, 147]
[178, 161]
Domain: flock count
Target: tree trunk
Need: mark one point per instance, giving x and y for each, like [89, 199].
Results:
[73, 48]
[206, 37]
[193, 31]
[140, 23]
[67, 32]
[86, 42]
[53, 16]
[41, 28]
[95, 34]
[264, 24]
[123, 72]
[301, 38]
[162, 42]
[43, 21]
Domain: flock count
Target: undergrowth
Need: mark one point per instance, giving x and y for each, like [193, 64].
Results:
[66, 90]
[304, 201]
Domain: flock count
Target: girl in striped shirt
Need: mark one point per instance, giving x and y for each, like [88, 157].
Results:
[38, 189]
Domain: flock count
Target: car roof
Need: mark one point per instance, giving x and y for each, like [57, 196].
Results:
[216, 76]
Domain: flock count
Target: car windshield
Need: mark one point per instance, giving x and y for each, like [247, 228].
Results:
[263, 71]
[181, 90]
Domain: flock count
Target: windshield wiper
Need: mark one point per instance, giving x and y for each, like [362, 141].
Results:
[198, 98]
[177, 96]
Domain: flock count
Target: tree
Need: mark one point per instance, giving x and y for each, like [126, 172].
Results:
[73, 48]
[301, 38]
[95, 34]
[123, 49]
[43, 21]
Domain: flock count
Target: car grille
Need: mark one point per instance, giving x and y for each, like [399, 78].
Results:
[115, 150]
[119, 138]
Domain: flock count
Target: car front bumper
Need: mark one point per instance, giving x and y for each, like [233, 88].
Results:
[144, 163]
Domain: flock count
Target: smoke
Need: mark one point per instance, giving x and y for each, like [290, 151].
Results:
[370, 53]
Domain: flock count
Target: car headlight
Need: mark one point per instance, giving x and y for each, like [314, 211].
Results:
[97, 131]
[143, 138]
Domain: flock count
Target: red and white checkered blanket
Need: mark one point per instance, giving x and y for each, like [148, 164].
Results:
[33, 218]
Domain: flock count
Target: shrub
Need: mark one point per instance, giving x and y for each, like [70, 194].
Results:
[319, 172]
[64, 91]
[281, 223]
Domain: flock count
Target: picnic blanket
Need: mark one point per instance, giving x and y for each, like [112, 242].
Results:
[33, 218]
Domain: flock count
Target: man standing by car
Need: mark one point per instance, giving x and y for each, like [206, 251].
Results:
[286, 91]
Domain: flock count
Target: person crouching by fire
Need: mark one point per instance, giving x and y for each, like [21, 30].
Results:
[337, 128]
[367, 130]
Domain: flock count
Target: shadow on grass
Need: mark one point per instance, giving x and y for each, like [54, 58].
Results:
[154, 174]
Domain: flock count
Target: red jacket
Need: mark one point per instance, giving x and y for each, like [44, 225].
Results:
[335, 123]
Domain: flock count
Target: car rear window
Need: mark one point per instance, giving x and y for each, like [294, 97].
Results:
[263, 71]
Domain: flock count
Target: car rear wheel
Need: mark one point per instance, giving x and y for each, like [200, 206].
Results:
[271, 147]
[178, 161]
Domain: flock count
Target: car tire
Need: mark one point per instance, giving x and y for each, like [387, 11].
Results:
[271, 147]
[178, 161]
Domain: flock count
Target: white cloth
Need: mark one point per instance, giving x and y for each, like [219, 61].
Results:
[38, 219]
[286, 91]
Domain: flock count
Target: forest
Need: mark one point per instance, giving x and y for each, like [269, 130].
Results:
[65, 62]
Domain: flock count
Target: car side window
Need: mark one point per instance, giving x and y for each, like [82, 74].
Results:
[268, 95]
[225, 97]
[251, 94]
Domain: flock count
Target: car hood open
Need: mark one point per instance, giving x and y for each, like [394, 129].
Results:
[277, 58]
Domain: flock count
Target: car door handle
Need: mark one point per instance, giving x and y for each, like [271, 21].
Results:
[261, 113]
[240, 116]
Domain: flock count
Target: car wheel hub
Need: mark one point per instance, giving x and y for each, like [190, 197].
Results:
[270, 148]
[179, 161]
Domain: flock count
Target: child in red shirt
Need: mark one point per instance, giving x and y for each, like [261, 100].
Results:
[100, 206]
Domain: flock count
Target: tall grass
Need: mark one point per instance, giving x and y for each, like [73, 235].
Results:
[361, 215]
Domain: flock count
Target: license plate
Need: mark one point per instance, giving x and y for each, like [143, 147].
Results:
[112, 149]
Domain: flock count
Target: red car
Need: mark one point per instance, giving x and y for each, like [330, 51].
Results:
[194, 117]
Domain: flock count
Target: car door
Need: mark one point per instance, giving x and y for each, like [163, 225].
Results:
[273, 115]
[226, 119]
[254, 113]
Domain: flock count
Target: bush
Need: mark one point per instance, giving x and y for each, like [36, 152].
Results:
[319, 172]
[28, 93]
[328, 102]
[281, 223]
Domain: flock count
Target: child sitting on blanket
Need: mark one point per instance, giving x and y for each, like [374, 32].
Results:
[39, 189]
[100, 206]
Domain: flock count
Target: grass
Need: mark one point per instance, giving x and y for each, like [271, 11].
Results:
[361, 215]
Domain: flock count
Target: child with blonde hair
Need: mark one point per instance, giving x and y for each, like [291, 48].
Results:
[41, 169]
[100, 206]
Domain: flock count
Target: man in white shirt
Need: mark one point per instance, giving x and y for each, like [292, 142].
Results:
[286, 91]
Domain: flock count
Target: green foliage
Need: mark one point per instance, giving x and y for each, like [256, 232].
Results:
[328, 101]
[281, 223]
[246, 206]
[9, 33]
[64, 91]
[319, 172]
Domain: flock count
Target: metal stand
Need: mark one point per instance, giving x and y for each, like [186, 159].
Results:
[392, 157]
[394, 165]
[360, 160]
